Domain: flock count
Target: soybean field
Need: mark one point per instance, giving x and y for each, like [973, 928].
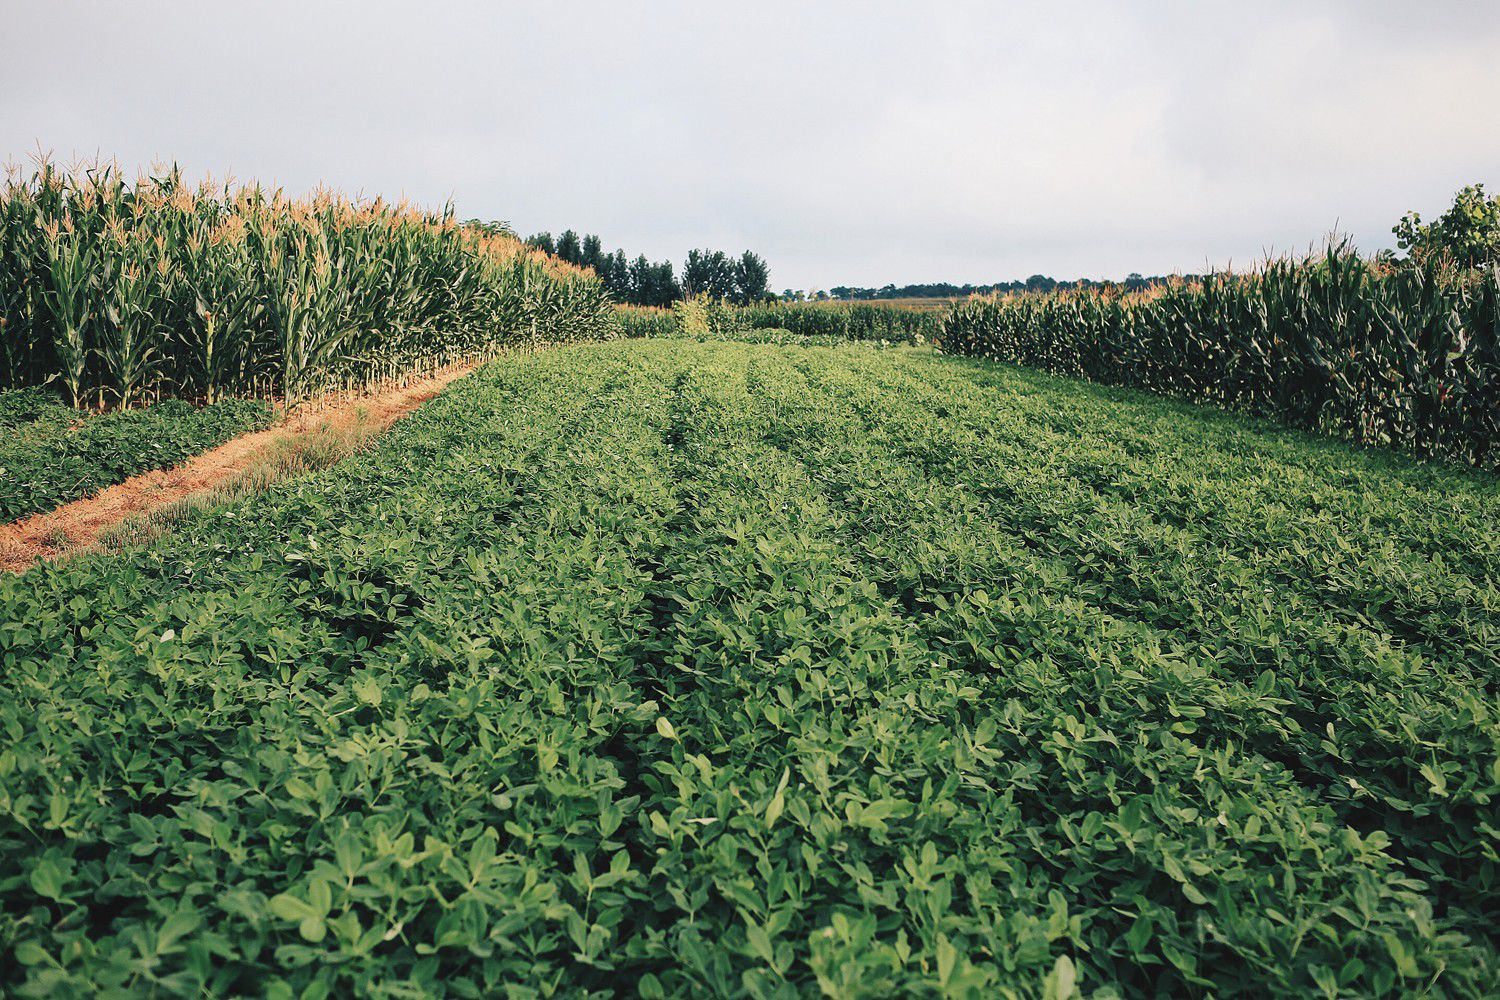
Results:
[666, 667]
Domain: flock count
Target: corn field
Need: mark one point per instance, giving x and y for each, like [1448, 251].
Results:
[1403, 356]
[120, 292]
[645, 321]
[704, 316]
[856, 321]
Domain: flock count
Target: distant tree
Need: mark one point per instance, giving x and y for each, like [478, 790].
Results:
[664, 285]
[643, 282]
[726, 276]
[640, 282]
[605, 269]
[695, 273]
[1468, 233]
[751, 278]
[665, 288]
[651, 284]
[619, 272]
[591, 252]
[569, 248]
[494, 227]
[948, 290]
[709, 272]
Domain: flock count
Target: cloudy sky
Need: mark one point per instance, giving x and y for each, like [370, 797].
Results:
[848, 143]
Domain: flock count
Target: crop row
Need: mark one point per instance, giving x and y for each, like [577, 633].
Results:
[702, 317]
[59, 455]
[721, 669]
[858, 321]
[646, 321]
[1406, 356]
[118, 292]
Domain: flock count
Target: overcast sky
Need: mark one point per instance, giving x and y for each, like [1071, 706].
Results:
[849, 144]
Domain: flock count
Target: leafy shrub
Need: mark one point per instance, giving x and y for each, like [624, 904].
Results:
[29, 410]
[700, 316]
[1468, 234]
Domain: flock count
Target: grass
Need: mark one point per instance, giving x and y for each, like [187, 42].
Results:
[689, 669]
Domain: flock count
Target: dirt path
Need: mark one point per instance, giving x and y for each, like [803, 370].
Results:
[79, 524]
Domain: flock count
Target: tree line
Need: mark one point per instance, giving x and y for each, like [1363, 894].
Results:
[643, 282]
[949, 290]
[1466, 236]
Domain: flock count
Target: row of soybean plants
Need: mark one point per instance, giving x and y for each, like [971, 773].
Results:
[122, 292]
[733, 671]
[1405, 356]
[48, 456]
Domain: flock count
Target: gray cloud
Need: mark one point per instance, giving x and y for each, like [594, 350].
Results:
[848, 143]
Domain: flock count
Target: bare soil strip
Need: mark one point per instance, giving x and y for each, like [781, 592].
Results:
[79, 524]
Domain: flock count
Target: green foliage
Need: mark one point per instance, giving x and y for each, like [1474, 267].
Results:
[715, 275]
[33, 408]
[935, 292]
[725, 670]
[845, 322]
[645, 321]
[1468, 234]
[120, 292]
[46, 461]
[710, 273]
[784, 338]
[701, 316]
[1407, 357]
[704, 317]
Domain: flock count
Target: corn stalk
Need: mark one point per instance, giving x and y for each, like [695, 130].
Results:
[70, 270]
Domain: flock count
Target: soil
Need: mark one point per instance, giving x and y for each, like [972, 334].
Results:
[78, 525]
